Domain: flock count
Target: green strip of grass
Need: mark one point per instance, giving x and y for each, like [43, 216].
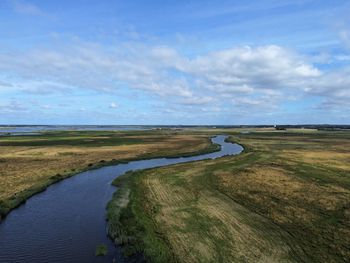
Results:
[130, 227]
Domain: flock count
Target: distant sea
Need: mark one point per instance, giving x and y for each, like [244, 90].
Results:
[35, 129]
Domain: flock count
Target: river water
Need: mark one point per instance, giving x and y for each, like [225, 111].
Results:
[22, 130]
[66, 222]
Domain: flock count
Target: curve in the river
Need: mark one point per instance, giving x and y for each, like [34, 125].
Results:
[66, 222]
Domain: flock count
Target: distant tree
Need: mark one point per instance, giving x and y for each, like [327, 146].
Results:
[280, 128]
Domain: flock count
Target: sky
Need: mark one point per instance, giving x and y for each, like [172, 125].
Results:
[174, 62]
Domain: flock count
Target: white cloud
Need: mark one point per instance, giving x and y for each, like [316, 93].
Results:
[345, 36]
[46, 106]
[24, 7]
[5, 84]
[196, 101]
[113, 105]
[334, 85]
[247, 68]
[13, 106]
[243, 76]
[342, 57]
[253, 104]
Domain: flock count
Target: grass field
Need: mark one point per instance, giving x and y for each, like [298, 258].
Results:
[28, 164]
[285, 199]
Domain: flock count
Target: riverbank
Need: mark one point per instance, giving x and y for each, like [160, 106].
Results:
[29, 164]
[285, 199]
[71, 215]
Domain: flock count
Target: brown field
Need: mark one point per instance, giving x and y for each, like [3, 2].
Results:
[285, 199]
[31, 162]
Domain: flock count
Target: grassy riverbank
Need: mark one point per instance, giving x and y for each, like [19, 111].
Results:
[285, 199]
[28, 164]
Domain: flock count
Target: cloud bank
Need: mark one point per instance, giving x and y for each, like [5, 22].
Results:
[248, 79]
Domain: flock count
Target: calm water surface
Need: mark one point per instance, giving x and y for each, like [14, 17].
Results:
[66, 222]
[36, 129]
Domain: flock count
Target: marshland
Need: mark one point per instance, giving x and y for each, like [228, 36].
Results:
[285, 198]
[175, 131]
[29, 163]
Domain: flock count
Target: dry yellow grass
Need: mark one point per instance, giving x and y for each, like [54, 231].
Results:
[24, 167]
[285, 199]
[336, 159]
[202, 225]
[259, 183]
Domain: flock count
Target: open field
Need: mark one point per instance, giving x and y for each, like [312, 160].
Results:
[285, 199]
[28, 164]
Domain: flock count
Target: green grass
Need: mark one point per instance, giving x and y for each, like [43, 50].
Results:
[130, 227]
[92, 139]
[101, 250]
[289, 191]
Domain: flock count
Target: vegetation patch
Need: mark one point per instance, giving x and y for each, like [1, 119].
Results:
[28, 164]
[101, 250]
[130, 227]
[286, 198]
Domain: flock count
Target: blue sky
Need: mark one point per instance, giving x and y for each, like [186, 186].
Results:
[174, 62]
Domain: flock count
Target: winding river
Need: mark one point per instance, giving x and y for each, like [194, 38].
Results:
[66, 222]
